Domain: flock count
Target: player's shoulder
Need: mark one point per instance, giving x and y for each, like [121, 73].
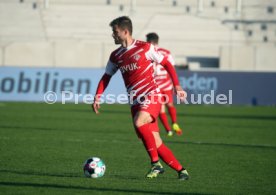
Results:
[114, 54]
[163, 51]
[144, 44]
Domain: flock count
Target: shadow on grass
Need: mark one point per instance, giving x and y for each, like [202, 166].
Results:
[216, 116]
[229, 116]
[67, 175]
[223, 144]
[39, 174]
[32, 128]
[108, 111]
[58, 186]
[104, 110]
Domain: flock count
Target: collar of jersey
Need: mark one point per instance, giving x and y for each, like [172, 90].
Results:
[131, 46]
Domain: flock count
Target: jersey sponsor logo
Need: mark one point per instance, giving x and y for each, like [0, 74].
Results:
[137, 57]
[129, 67]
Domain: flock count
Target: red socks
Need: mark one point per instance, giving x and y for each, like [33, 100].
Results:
[148, 140]
[172, 112]
[164, 153]
[168, 157]
[164, 120]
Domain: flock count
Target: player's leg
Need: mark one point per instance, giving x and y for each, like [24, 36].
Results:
[172, 112]
[168, 157]
[164, 119]
[142, 122]
[144, 126]
[169, 104]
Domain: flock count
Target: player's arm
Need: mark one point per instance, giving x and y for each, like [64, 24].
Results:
[164, 61]
[103, 83]
[171, 70]
[110, 70]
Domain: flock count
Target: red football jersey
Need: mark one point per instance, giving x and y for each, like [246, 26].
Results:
[136, 65]
[162, 77]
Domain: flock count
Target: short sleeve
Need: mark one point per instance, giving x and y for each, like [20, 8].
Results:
[154, 55]
[110, 68]
[171, 60]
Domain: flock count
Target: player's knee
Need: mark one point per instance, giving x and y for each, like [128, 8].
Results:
[157, 139]
[163, 109]
[158, 143]
[140, 121]
[137, 123]
[170, 105]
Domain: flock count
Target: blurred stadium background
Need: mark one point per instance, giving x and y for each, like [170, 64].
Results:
[219, 36]
[235, 35]
[57, 45]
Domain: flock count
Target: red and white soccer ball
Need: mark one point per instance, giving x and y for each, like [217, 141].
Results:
[94, 167]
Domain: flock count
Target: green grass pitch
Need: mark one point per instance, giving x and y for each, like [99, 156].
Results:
[227, 150]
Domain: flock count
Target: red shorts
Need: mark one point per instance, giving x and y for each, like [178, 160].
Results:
[167, 96]
[152, 107]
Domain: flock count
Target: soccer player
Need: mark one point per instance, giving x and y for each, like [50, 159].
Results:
[165, 84]
[134, 59]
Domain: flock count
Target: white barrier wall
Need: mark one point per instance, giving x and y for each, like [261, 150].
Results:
[248, 58]
[78, 54]
[29, 54]
[240, 57]
[1, 56]
[75, 33]
[56, 54]
[266, 58]
[95, 54]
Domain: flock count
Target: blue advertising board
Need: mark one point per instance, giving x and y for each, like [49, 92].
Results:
[31, 84]
[244, 88]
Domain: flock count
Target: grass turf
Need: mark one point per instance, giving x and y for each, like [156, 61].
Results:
[227, 150]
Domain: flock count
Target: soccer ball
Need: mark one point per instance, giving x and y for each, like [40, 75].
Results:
[94, 167]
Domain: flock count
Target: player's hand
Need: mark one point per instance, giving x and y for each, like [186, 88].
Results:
[96, 106]
[180, 93]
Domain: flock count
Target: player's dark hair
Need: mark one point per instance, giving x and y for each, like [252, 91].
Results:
[152, 38]
[123, 22]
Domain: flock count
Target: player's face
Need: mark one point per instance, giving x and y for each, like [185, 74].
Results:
[119, 35]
